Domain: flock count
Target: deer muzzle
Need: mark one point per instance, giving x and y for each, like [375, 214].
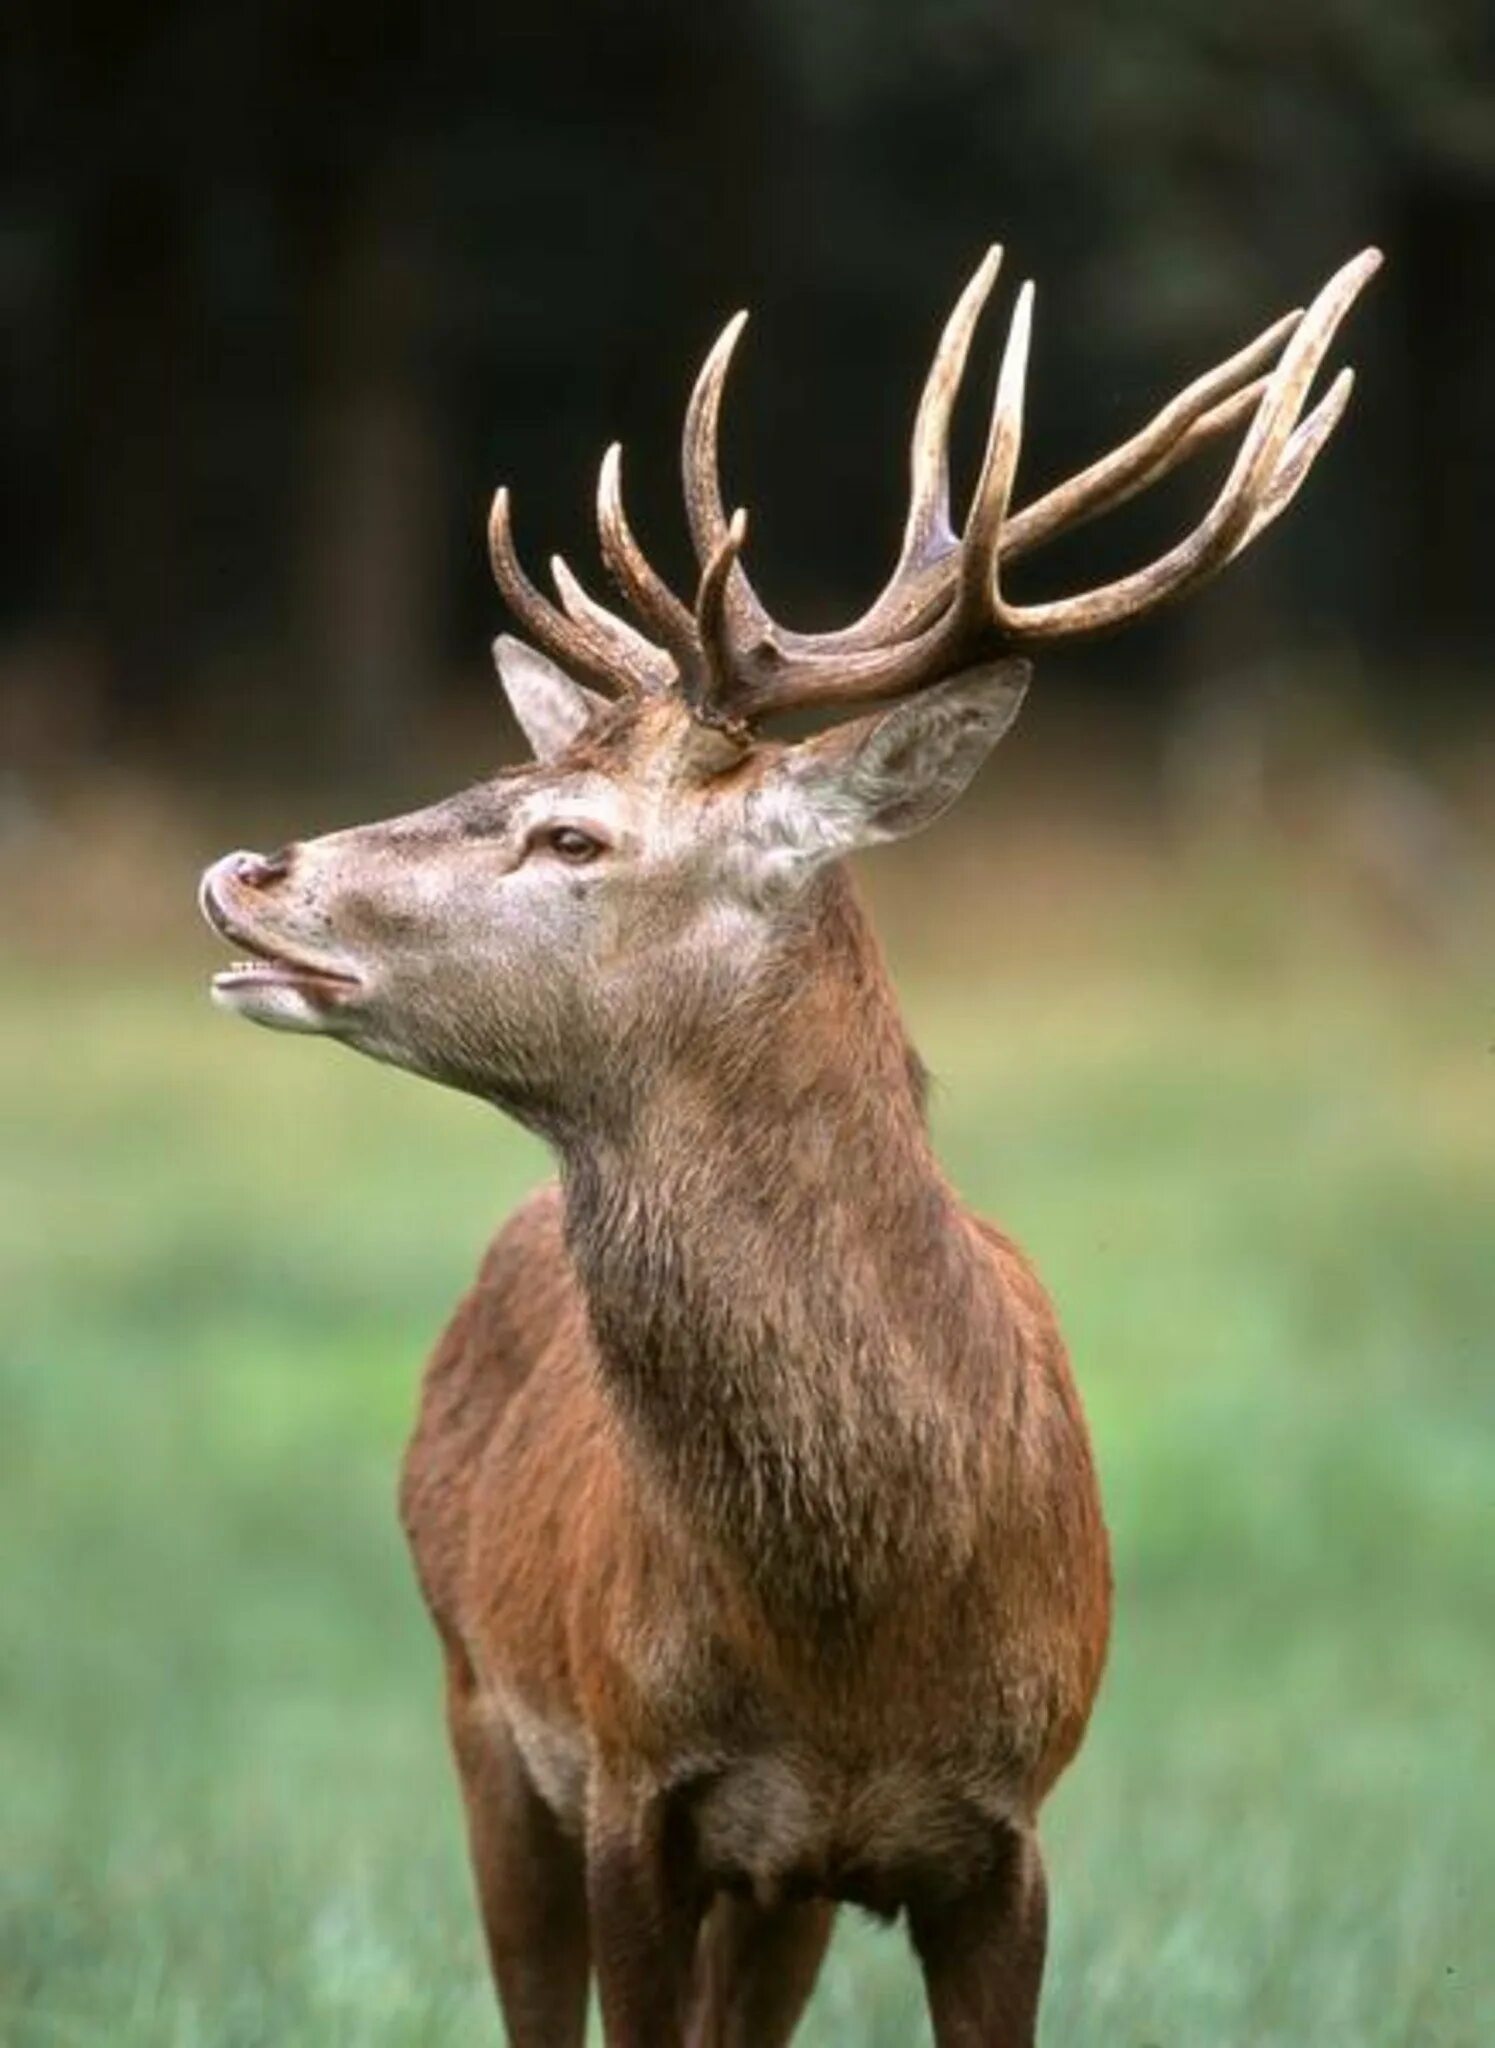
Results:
[288, 978]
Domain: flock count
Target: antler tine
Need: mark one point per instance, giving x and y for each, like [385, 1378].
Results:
[643, 587]
[699, 459]
[563, 638]
[976, 587]
[700, 463]
[1298, 457]
[648, 667]
[1210, 406]
[1223, 530]
[1214, 425]
[712, 694]
[927, 534]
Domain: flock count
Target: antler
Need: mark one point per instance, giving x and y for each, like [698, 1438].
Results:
[943, 607]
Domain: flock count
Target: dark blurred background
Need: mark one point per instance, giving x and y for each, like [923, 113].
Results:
[288, 289]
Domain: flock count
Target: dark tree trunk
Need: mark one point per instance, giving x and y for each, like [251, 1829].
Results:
[1445, 523]
[366, 579]
[126, 575]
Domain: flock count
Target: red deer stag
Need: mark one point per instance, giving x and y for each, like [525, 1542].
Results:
[750, 1494]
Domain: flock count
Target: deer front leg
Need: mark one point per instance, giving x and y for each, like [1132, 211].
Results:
[645, 1909]
[982, 1952]
[530, 1882]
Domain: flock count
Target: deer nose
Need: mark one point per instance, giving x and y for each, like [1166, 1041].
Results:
[259, 870]
[242, 871]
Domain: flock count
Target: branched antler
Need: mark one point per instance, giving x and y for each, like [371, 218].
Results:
[943, 607]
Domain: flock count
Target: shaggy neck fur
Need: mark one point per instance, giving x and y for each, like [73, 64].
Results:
[783, 1289]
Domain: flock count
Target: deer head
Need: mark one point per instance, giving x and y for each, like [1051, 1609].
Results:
[565, 927]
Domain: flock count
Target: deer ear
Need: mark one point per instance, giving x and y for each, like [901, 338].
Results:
[551, 709]
[888, 774]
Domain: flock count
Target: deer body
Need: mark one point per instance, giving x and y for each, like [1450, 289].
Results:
[750, 1493]
[780, 1494]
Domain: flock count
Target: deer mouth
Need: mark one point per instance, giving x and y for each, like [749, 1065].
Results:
[271, 970]
[268, 967]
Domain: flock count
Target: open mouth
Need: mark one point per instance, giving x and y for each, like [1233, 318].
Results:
[266, 965]
[267, 970]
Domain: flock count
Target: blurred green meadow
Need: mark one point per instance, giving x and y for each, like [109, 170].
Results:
[1254, 1155]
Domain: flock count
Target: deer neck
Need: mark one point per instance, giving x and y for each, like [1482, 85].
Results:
[781, 1283]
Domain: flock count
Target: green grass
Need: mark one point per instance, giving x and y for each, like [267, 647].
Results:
[1263, 1191]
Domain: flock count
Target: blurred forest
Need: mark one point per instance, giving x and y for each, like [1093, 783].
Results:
[288, 289]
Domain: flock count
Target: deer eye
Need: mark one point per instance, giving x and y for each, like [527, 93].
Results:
[568, 842]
